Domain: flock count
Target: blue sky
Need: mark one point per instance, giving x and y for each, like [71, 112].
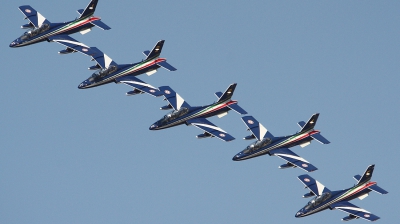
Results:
[87, 156]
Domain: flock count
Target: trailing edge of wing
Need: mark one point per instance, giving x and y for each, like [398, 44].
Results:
[210, 128]
[139, 85]
[346, 206]
[33, 16]
[258, 130]
[293, 158]
[316, 187]
[174, 99]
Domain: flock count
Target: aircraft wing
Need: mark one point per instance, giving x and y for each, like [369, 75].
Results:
[103, 61]
[354, 210]
[138, 86]
[71, 44]
[33, 16]
[293, 158]
[210, 128]
[173, 98]
[256, 128]
[316, 187]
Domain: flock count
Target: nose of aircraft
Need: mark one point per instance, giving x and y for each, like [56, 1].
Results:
[236, 157]
[153, 127]
[299, 213]
[13, 44]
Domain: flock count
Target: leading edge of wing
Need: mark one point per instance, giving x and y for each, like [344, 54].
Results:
[210, 128]
[138, 85]
[293, 158]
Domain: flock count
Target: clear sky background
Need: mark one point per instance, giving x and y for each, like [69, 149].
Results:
[87, 156]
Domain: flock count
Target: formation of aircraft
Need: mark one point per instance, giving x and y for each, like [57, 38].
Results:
[110, 71]
[279, 146]
[326, 199]
[183, 113]
[41, 29]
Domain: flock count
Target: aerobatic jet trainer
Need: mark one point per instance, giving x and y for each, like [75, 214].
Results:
[183, 113]
[110, 71]
[279, 146]
[42, 29]
[340, 199]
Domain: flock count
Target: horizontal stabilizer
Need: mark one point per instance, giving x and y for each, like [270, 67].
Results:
[167, 66]
[301, 124]
[146, 53]
[377, 189]
[320, 138]
[138, 85]
[218, 94]
[101, 25]
[237, 108]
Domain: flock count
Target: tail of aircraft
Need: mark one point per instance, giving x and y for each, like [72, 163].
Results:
[227, 95]
[310, 125]
[89, 11]
[366, 177]
[156, 53]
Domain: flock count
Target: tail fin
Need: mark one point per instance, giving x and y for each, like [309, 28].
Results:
[227, 95]
[89, 10]
[156, 50]
[310, 123]
[367, 175]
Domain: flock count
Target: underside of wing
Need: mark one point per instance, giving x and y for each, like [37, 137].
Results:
[210, 129]
[293, 159]
[313, 185]
[71, 44]
[33, 16]
[354, 211]
[138, 86]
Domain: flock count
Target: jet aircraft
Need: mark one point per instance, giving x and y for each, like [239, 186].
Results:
[183, 113]
[42, 29]
[340, 199]
[110, 71]
[279, 146]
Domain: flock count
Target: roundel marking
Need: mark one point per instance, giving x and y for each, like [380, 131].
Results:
[167, 91]
[250, 122]
[222, 135]
[306, 180]
[84, 49]
[304, 165]
[366, 215]
[28, 10]
[152, 90]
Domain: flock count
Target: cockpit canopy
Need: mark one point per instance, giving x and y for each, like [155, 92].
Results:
[318, 200]
[103, 73]
[174, 114]
[257, 145]
[32, 33]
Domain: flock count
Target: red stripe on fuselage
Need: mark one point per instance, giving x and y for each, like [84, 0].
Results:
[222, 106]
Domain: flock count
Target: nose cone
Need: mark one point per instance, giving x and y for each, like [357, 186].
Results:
[14, 44]
[84, 84]
[299, 214]
[153, 127]
[237, 157]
